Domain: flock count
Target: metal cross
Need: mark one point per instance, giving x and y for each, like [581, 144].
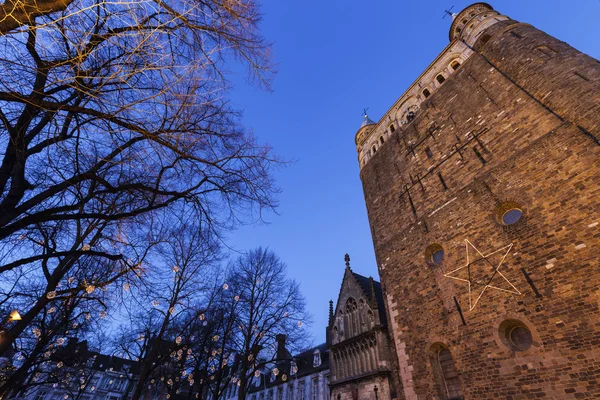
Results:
[448, 12]
[365, 111]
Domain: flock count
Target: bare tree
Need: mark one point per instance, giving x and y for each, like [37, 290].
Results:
[269, 304]
[177, 291]
[110, 112]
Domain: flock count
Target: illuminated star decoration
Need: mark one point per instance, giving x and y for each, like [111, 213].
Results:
[486, 283]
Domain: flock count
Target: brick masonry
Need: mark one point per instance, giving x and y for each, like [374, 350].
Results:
[518, 122]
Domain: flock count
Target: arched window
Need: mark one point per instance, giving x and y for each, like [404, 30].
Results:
[352, 315]
[316, 358]
[373, 150]
[381, 140]
[440, 78]
[455, 64]
[445, 372]
[426, 93]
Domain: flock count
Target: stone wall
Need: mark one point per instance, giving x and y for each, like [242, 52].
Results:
[518, 125]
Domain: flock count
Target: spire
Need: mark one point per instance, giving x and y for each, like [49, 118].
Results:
[366, 119]
[347, 259]
[372, 287]
[330, 312]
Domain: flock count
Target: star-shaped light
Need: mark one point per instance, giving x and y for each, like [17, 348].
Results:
[487, 283]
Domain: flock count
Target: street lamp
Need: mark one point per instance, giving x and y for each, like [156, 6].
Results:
[376, 390]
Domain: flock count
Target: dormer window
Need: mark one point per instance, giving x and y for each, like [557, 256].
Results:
[316, 358]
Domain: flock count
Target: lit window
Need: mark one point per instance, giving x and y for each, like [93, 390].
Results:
[455, 64]
[316, 358]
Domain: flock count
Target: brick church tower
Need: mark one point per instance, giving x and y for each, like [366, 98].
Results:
[482, 185]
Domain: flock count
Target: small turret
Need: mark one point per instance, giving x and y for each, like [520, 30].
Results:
[363, 133]
[470, 23]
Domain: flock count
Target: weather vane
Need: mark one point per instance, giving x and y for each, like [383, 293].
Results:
[448, 12]
[365, 112]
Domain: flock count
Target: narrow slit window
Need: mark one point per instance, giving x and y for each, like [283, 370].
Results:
[373, 150]
[381, 140]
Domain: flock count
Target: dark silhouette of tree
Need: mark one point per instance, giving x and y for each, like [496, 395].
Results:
[268, 304]
[112, 113]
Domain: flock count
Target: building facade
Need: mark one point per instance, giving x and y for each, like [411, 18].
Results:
[360, 351]
[304, 376]
[482, 186]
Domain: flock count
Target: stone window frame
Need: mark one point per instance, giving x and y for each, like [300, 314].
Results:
[457, 60]
[536, 344]
[438, 83]
[503, 207]
[433, 350]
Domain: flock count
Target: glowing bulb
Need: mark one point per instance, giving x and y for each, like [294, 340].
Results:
[15, 316]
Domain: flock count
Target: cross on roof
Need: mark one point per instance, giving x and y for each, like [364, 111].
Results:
[448, 12]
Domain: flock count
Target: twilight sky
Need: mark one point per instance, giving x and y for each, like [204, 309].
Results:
[336, 57]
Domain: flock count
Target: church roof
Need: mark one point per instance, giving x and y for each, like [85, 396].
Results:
[366, 121]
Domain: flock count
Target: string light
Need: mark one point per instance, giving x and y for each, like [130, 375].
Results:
[51, 295]
[85, 247]
[15, 316]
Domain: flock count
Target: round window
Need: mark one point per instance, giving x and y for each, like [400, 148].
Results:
[520, 337]
[512, 216]
[437, 257]
[434, 254]
[515, 335]
[509, 213]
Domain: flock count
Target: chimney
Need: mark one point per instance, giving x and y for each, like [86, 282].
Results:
[281, 351]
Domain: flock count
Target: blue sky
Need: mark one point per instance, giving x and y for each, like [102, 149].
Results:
[334, 59]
